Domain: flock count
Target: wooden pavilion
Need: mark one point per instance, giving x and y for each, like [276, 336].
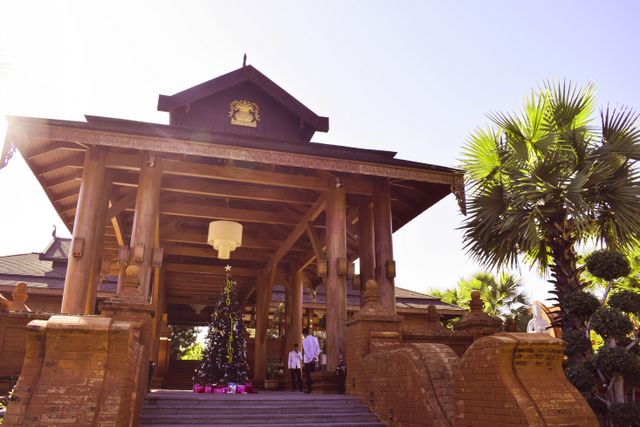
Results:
[237, 148]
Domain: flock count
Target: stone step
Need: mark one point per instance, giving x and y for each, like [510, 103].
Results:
[271, 419]
[248, 402]
[330, 424]
[259, 409]
[265, 409]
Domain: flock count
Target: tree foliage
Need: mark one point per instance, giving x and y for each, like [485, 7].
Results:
[502, 295]
[543, 180]
[182, 338]
[616, 362]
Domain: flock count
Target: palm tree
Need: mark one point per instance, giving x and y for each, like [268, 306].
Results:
[547, 179]
[502, 295]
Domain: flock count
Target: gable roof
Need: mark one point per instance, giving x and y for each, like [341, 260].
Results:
[58, 250]
[43, 270]
[234, 78]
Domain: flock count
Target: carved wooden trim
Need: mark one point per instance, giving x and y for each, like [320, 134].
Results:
[219, 150]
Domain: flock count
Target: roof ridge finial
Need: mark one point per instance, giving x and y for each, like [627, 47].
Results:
[53, 233]
[244, 60]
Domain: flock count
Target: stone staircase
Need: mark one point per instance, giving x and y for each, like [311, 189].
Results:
[184, 408]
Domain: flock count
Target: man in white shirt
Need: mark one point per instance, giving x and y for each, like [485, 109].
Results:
[295, 367]
[311, 349]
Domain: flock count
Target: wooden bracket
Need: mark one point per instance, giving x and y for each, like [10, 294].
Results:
[123, 255]
[342, 266]
[156, 257]
[390, 269]
[321, 268]
[77, 247]
[138, 252]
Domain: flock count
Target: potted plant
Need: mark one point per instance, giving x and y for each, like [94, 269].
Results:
[272, 381]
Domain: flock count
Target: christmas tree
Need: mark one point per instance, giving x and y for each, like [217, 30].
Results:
[224, 359]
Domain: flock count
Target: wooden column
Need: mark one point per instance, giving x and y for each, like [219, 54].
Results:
[309, 318]
[296, 309]
[89, 208]
[157, 302]
[366, 248]
[262, 319]
[336, 281]
[145, 219]
[287, 322]
[95, 275]
[384, 244]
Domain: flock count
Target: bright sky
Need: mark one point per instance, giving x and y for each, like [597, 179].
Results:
[411, 76]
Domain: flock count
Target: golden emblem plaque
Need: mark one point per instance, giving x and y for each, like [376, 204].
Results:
[244, 113]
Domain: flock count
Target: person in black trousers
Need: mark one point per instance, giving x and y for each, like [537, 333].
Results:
[311, 350]
[295, 367]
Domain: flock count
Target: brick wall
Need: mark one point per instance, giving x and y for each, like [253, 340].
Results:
[517, 380]
[13, 340]
[403, 384]
[78, 370]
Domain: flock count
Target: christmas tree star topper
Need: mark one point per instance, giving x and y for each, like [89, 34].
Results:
[227, 268]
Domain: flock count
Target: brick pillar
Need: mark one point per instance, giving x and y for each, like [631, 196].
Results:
[336, 281]
[369, 329]
[384, 244]
[91, 204]
[145, 219]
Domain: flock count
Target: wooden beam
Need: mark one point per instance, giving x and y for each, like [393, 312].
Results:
[75, 161]
[75, 175]
[298, 231]
[201, 239]
[220, 146]
[234, 173]
[117, 228]
[67, 196]
[53, 146]
[207, 187]
[124, 202]
[208, 269]
[202, 252]
[315, 242]
[194, 210]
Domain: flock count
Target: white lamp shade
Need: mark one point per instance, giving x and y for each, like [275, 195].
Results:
[225, 236]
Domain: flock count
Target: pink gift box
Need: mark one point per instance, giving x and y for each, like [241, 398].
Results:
[220, 390]
[197, 388]
[208, 389]
[240, 389]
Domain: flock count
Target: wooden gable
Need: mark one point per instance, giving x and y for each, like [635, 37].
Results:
[243, 102]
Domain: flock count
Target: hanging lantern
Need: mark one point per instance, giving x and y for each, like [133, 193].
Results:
[225, 236]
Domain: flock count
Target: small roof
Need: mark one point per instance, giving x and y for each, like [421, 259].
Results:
[46, 270]
[245, 74]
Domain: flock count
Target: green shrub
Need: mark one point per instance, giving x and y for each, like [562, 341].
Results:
[627, 301]
[612, 360]
[625, 414]
[577, 343]
[608, 265]
[581, 304]
[582, 376]
[610, 323]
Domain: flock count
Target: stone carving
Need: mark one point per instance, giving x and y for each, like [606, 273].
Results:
[19, 298]
[476, 322]
[433, 320]
[371, 297]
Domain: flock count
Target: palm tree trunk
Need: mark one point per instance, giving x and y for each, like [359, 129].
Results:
[565, 275]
